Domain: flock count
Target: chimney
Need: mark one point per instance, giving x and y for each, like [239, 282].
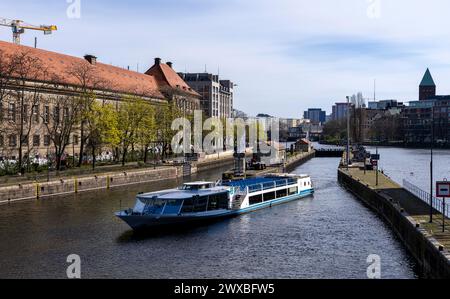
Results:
[169, 64]
[157, 61]
[91, 59]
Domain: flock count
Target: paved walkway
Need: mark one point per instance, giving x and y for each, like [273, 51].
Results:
[415, 207]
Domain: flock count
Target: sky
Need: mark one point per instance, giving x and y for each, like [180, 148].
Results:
[284, 55]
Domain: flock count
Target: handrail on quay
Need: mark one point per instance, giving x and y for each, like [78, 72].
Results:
[425, 197]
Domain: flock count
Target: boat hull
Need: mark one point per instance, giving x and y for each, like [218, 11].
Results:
[144, 222]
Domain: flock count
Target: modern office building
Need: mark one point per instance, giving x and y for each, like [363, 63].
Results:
[217, 95]
[316, 115]
[339, 111]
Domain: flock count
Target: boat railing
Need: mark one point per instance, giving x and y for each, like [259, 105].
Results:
[270, 185]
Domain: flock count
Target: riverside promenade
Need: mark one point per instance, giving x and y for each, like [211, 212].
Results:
[407, 215]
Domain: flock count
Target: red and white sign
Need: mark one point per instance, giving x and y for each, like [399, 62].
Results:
[443, 189]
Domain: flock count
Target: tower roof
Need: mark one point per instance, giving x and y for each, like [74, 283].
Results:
[427, 79]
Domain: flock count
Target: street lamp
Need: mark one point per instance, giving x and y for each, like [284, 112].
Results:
[348, 132]
[431, 164]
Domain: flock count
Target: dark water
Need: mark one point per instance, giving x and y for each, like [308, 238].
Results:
[328, 236]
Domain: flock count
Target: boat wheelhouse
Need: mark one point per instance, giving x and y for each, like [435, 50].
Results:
[198, 201]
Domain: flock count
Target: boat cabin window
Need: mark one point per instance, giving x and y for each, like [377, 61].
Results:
[191, 187]
[255, 199]
[188, 206]
[282, 193]
[269, 196]
[200, 203]
[154, 206]
[172, 206]
[293, 190]
[218, 201]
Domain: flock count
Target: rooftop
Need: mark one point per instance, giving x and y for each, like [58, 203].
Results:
[62, 69]
[427, 79]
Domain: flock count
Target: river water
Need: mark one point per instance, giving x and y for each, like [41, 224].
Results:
[329, 235]
[414, 165]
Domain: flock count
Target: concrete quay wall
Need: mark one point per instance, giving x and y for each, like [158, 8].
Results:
[433, 258]
[63, 186]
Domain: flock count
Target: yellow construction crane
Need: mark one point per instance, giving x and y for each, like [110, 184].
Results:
[18, 28]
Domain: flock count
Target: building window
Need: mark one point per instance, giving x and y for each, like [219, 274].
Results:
[46, 140]
[12, 140]
[46, 114]
[25, 113]
[75, 139]
[36, 113]
[25, 140]
[36, 140]
[66, 114]
[12, 112]
[56, 114]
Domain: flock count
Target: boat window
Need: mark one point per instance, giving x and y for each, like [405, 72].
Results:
[195, 187]
[282, 193]
[269, 196]
[188, 205]
[172, 206]
[255, 199]
[154, 206]
[218, 201]
[293, 190]
[200, 204]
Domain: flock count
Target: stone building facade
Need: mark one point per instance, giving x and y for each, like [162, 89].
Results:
[37, 86]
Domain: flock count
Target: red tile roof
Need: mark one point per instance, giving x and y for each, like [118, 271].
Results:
[166, 76]
[60, 68]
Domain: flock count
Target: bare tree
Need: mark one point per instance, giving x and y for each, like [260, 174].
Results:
[25, 92]
[87, 82]
[65, 117]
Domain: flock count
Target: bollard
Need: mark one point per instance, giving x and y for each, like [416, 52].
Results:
[107, 182]
[37, 190]
[75, 185]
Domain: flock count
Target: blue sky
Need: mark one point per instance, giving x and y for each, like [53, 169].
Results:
[285, 55]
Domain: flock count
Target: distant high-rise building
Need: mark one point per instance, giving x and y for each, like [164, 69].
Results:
[339, 111]
[427, 88]
[316, 115]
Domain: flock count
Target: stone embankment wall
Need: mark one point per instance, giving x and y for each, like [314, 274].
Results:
[432, 258]
[63, 186]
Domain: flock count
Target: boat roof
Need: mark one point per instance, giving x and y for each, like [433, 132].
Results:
[198, 183]
[183, 194]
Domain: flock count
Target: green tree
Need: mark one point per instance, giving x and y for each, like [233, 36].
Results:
[133, 116]
[102, 124]
[165, 115]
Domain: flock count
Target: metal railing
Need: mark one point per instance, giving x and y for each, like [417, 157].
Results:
[425, 197]
[271, 185]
